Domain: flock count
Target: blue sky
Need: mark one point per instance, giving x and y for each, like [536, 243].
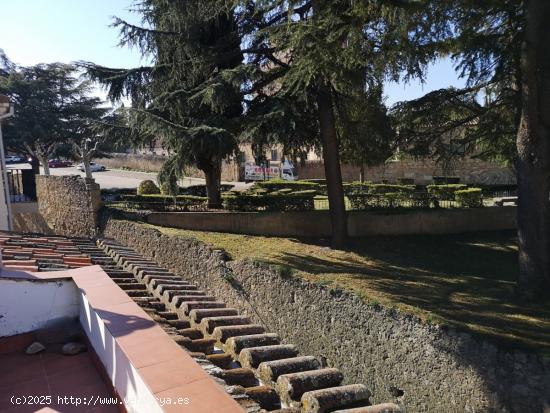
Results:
[44, 31]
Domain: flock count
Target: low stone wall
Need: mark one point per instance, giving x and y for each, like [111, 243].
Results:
[69, 204]
[26, 218]
[425, 368]
[469, 170]
[317, 223]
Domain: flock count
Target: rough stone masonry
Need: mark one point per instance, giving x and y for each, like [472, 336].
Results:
[69, 204]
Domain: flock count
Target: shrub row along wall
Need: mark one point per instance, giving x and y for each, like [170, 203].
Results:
[69, 204]
[424, 367]
[360, 223]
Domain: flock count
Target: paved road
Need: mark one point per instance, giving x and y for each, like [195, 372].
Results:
[116, 178]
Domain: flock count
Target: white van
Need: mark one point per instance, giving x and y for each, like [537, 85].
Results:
[254, 172]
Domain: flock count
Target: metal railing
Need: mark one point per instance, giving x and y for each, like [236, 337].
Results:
[365, 202]
[169, 206]
[22, 185]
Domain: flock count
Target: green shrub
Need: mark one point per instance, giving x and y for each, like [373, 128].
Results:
[156, 202]
[200, 189]
[167, 189]
[469, 198]
[284, 191]
[147, 187]
[278, 184]
[246, 201]
[391, 189]
[362, 188]
[320, 181]
[445, 192]
[362, 201]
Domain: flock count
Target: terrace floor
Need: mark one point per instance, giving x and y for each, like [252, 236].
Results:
[56, 375]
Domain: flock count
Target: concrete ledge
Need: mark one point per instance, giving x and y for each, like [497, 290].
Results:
[360, 223]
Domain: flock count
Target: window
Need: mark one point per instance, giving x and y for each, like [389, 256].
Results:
[274, 155]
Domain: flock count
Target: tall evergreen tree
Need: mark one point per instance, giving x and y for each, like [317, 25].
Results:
[498, 46]
[367, 135]
[533, 144]
[183, 98]
[328, 55]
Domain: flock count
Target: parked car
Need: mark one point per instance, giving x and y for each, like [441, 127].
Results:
[59, 163]
[94, 167]
[15, 159]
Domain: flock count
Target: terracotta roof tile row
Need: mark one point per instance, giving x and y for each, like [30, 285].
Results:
[246, 356]
[37, 253]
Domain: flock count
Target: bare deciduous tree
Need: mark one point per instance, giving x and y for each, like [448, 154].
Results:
[43, 151]
[85, 151]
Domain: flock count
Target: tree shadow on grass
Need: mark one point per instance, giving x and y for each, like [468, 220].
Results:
[465, 281]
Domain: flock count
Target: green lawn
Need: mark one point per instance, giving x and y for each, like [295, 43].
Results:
[462, 280]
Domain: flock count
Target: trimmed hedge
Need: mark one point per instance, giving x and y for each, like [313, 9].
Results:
[250, 202]
[200, 189]
[157, 202]
[390, 200]
[147, 187]
[445, 192]
[469, 198]
[362, 188]
[167, 189]
[320, 181]
[278, 184]
[385, 200]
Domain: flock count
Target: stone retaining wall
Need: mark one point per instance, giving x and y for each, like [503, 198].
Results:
[469, 170]
[426, 368]
[360, 223]
[69, 204]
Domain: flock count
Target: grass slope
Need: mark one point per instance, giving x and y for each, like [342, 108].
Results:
[465, 281]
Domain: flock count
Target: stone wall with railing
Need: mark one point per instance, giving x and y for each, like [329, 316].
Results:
[69, 204]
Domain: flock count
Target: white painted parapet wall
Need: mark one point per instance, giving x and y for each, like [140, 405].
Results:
[30, 305]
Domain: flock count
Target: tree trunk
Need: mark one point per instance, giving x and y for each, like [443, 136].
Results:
[35, 165]
[213, 180]
[86, 162]
[331, 160]
[533, 144]
[362, 173]
[44, 160]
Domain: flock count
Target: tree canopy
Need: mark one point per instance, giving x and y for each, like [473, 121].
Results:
[181, 98]
[52, 107]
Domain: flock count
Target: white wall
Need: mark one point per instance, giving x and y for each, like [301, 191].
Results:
[27, 305]
[131, 388]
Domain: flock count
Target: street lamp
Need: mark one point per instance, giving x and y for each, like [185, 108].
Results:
[6, 110]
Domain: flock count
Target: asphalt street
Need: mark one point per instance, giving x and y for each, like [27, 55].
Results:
[115, 178]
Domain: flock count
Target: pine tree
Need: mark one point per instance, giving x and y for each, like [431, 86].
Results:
[366, 133]
[328, 55]
[183, 98]
[498, 46]
[533, 145]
